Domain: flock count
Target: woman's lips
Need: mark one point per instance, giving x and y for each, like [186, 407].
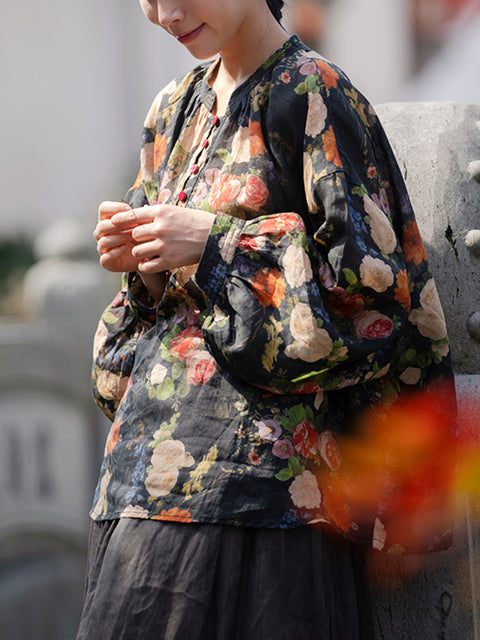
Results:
[185, 38]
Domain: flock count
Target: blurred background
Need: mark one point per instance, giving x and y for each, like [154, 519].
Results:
[77, 80]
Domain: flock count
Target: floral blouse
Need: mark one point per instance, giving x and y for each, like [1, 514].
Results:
[312, 300]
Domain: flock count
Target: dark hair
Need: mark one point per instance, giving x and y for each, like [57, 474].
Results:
[276, 7]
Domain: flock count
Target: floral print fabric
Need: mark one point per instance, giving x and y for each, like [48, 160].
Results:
[312, 300]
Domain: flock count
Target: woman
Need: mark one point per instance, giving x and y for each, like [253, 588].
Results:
[275, 284]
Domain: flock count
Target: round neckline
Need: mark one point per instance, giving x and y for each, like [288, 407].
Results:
[208, 94]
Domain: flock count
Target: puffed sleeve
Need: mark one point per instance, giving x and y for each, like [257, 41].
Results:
[122, 324]
[351, 299]
[131, 313]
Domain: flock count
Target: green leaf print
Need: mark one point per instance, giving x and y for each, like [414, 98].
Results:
[359, 191]
[183, 389]
[225, 156]
[151, 190]
[178, 369]
[301, 88]
[311, 83]
[109, 317]
[166, 389]
[295, 415]
[284, 474]
[350, 277]
[152, 392]
[296, 466]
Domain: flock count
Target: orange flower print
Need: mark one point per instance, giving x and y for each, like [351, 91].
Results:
[402, 292]
[224, 190]
[412, 244]
[305, 439]
[329, 75]
[269, 287]
[335, 502]
[114, 435]
[330, 147]
[186, 342]
[257, 143]
[159, 150]
[175, 515]
[254, 458]
[281, 224]
[138, 180]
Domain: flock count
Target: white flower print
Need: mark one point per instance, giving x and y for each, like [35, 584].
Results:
[317, 114]
[110, 385]
[168, 457]
[305, 492]
[429, 319]
[158, 374]
[411, 375]
[311, 343]
[296, 266]
[241, 145]
[382, 232]
[376, 274]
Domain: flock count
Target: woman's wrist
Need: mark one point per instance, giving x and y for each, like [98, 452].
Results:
[155, 284]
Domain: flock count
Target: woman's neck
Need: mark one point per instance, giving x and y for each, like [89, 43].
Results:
[241, 57]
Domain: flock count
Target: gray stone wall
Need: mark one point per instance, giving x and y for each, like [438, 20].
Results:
[438, 148]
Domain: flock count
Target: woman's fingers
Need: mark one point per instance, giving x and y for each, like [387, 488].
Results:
[145, 232]
[147, 250]
[109, 242]
[109, 208]
[153, 265]
[133, 217]
[104, 228]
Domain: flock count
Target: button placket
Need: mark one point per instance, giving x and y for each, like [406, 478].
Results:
[199, 159]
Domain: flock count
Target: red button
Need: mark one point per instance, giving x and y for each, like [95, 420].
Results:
[215, 120]
[205, 143]
[194, 168]
[182, 195]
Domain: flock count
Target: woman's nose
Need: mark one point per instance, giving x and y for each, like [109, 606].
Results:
[169, 12]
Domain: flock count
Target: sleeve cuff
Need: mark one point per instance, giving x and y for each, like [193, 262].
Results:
[138, 298]
[218, 254]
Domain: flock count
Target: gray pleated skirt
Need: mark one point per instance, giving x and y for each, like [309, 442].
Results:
[151, 580]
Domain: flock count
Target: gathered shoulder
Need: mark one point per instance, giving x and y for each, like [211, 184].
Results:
[173, 92]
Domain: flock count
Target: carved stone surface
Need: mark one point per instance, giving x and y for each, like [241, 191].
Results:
[438, 149]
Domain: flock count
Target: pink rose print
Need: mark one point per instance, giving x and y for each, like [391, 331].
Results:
[341, 303]
[372, 325]
[254, 194]
[248, 243]
[224, 190]
[329, 450]
[200, 367]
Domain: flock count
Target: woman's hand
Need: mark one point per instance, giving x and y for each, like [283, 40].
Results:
[163, 236]
[114, 245]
